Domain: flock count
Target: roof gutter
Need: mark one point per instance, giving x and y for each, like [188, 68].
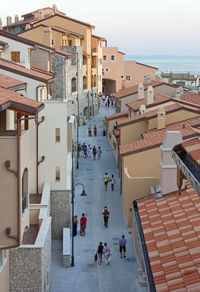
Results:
[144, 249]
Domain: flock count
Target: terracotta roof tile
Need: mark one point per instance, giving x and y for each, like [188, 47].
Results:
[31, 73]
[158, 98]
[134, 89]
[174, 255]
[157, 136]
[11, 99]
[117, 116]
[9, 82]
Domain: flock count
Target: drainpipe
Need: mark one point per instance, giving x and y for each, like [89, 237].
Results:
[37, 150]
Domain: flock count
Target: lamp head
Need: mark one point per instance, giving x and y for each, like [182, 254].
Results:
[83, 193]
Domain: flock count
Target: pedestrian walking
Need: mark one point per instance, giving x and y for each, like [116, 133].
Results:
[94, 152]
[89, 130]
[122, 246]
[83, 222]
[99, 152]
[106, 180]
[107, 254]
[113, 182]
[75, 223]
[108, 101]
[106, 213]
[100, 252]
[95, 130]
[89, 151]
[85, 151]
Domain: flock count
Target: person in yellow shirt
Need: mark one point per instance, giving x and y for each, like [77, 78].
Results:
[106, 180]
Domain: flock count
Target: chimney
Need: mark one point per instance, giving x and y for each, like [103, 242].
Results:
[47, 36]
[148, 79]
[41, 14]
[55, 8]
[9, 20]
[161, 118]
[150, 95]
[16, 18]
[1, 24]
[179, 92]
[140, 91]
[168, 166]
[142, 109]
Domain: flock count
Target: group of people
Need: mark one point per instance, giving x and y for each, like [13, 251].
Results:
[104, 250]
[108, 100]
[83, 222]
[107, 179]
[90, 130]
[89, 151]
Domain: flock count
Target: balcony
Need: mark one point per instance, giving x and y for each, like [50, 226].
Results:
[94, 52]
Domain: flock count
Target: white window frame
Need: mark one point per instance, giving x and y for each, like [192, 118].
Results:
[122, 76]
[106, 70]
[129, 78]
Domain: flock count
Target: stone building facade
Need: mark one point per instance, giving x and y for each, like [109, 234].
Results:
[30, 265]
[60, 212]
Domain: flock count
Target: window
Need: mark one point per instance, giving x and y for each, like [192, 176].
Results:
[112, 58]
[107, 70]
[15, 56]
[122, 77]
[88, 60]
[3, 257]
[73, 84]
[24, 190]
[104, 57]
[88, 43]
[57, 173]
[57, 132]
[70, 43]
[53, 42]
[64, 42]
[128, 78]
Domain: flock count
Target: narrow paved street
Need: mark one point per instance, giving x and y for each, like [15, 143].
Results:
[88, 276]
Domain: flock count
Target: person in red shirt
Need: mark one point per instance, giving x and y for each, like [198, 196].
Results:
[83, 222]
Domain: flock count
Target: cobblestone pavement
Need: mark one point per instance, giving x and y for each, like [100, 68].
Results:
[87, 276]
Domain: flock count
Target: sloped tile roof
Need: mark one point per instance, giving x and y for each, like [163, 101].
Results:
[9, 82]
[149, 114]
[134, 89]
[9, 98]
[171, 227]
[192, 147]
[117, 116]
[158, 98]
[30, 73]
[154, 138]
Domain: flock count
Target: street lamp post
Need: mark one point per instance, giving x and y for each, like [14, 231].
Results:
[72, 202]
[77, 147]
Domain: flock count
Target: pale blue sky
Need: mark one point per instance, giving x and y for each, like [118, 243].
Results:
[143, 27]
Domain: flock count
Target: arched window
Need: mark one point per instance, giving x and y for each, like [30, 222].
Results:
[73, 84]
[84, 82]
[24, 190]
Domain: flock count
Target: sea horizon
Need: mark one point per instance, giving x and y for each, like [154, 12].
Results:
[169, 63]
